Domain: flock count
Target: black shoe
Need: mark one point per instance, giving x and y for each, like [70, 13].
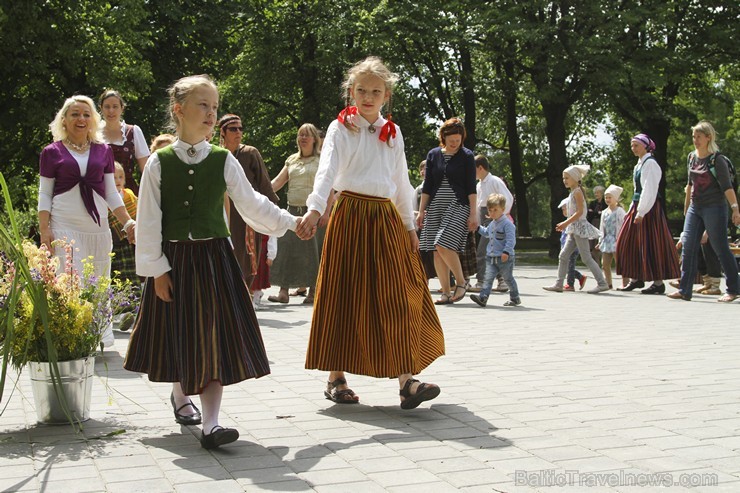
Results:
[632, 285]
[480, 301]
[184, 419]
[218, 436]
[654, 289]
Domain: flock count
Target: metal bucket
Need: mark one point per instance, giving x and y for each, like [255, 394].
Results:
[76, 384]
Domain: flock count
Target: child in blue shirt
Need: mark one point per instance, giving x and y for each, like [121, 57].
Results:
[501, 234]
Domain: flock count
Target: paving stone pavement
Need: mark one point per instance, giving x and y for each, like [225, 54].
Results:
[569, 392]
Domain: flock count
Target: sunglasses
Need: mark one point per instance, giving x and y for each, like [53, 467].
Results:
[234, 129]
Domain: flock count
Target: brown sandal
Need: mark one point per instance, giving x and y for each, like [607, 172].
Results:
[444, 300]
[346, 396]
[455, 298]
[424, 392]
[299, 292]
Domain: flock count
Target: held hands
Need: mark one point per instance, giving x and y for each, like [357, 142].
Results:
[324, 219]
[163, 287]
[130, 231]
[473, 222]
[306, 226]
[638, 219]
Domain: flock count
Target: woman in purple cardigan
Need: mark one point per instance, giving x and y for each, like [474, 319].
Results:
[76, 188]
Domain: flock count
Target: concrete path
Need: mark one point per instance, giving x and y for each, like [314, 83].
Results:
[569, 392]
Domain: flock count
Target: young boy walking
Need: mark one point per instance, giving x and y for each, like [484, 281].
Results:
[501, 234]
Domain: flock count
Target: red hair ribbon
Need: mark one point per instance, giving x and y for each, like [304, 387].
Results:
[388, 131]
[348, 111]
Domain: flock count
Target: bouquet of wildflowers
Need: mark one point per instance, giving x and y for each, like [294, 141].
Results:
[77, 307]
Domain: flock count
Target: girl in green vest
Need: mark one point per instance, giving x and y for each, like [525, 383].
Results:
[196, 327]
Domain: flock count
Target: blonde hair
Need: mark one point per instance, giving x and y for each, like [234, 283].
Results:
[119, 167]
[59, 131]
[371, 65]
[160, 141]
[313, 132]
[179, 93]
[496, 199]
[707, 129]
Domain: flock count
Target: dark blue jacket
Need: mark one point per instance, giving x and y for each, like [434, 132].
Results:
[460, 172]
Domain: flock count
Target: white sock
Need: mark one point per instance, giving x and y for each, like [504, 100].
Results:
[210, 401]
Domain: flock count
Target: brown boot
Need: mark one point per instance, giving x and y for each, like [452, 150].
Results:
[705, 279]
[713, 288]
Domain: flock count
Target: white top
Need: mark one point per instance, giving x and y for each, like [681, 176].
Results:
[67, 209]
[493, 184]
[360, 162]
[256, 209]
[649, 179]
[272, 245]
[141, 148]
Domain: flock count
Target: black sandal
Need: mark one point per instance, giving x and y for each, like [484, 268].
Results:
[445, 299]
[424, 392]
[186, 419]
[455, 298]
[346, 396]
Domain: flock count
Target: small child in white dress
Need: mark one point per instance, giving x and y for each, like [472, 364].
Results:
[579, 232]
[611, 222]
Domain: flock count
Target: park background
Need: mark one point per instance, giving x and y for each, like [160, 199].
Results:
[540, 85]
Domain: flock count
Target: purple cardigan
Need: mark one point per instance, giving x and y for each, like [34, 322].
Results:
[57, 162]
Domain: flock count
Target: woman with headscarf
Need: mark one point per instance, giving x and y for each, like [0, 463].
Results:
[709, 187]
[645, 248]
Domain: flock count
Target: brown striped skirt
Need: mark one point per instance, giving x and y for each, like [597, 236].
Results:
[373, 314]
[208, 332]
[646, 251]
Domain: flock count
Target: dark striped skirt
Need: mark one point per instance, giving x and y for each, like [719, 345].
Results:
[468, 260]
[373, 314]
[445, 222]
[646, 251]
[208, 332]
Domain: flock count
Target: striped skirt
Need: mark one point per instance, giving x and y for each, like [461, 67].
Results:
[446, 221]
[208, 332]
[373, 314]
[646, 251]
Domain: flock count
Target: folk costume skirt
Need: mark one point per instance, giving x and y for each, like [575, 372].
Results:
[646, 251]
[373, 314]
[208, 332]
[262, 276]
[297, 261]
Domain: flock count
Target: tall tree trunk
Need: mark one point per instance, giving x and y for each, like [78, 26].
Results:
[468, 90]
[659, 129]
[515, 150]
[557, 161]
[311, 107]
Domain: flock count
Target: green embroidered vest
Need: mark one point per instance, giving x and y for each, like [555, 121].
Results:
[193, 196]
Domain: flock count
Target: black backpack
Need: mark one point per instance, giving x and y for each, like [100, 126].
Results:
[713, 169]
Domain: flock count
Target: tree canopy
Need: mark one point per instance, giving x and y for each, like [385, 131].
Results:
[533, 81]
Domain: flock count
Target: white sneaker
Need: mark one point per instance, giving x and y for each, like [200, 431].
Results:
[600, 288]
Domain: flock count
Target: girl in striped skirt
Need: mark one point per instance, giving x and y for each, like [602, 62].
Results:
[360, 325]
[196, 326]
[645, 248]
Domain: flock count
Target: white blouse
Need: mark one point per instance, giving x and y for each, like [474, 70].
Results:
[256, 209]
[360, 162]
[493, 184]
[649, 179]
